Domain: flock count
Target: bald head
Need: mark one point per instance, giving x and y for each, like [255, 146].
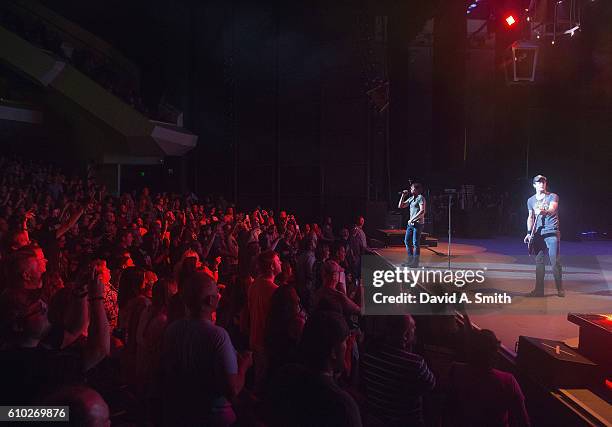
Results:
[400, 330]
[25, 270]
[87, 407]
[200, 294]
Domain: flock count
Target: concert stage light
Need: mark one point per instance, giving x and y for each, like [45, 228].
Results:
[523, 61]
[510, 20]
[572, 30]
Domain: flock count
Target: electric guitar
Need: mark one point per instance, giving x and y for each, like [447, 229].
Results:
[530, 246]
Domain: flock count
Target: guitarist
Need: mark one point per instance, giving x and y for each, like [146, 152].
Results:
[416, 204]
[543, 235]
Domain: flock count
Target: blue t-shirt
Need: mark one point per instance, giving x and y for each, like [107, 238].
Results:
[196, 356]
[414, 205]
[548, 223]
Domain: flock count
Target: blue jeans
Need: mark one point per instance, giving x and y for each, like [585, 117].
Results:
[548, 243]
[412, 240]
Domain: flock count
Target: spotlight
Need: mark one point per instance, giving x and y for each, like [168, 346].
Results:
[510, 20]
[572, 30]
[523, 62]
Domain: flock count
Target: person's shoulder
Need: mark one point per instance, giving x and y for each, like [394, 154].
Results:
[553, 196]
[256, 285]
[508, 381]
[272, 287]
[329, 292]
[159, 321]
[343, 401]
[54, 338]
[415, 359]
[176, 326]
[531, 200]
[219, 333]
[141, 302]
[263, 284]
[398, 354]
[503, 376]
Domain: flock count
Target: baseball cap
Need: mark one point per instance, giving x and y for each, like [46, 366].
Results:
[539, 178]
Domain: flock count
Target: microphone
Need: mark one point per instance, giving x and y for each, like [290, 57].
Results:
[399, 193]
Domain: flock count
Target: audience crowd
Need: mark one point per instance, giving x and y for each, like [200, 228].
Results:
[163, 309]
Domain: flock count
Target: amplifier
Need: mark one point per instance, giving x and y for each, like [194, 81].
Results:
[555, 364]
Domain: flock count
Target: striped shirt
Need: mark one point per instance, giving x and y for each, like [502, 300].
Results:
[394, 381]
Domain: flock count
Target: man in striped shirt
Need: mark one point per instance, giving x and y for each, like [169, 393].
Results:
[394, 378]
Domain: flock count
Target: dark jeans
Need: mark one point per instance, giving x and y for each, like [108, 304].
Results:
[547, 243]
[412, 240]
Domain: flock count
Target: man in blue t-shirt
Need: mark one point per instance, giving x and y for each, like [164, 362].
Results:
[416, 204]
[543, 209]
[201, 372]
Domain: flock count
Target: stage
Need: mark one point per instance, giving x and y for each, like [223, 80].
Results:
[587, 275]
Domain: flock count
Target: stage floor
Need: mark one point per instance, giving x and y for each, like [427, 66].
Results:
[587, 275]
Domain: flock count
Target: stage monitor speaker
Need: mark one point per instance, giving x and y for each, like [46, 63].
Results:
[395, 220]
[376, 213]
[555, 364]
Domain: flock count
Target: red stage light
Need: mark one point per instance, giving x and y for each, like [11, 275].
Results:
[510, 20]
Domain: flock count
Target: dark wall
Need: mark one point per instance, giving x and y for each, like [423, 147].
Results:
[276, 92]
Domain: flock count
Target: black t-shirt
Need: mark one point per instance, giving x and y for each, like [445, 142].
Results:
[47, 240]
[303, 398]
[29, 373]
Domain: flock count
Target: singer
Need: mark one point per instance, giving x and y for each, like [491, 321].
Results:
[416, 204]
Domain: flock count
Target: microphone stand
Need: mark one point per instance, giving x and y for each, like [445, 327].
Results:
[450, 192]
[450, 202]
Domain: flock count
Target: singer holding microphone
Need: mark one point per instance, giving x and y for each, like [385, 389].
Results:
[416, 204]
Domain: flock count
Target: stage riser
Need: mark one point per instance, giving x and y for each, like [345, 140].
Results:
[396, 238]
